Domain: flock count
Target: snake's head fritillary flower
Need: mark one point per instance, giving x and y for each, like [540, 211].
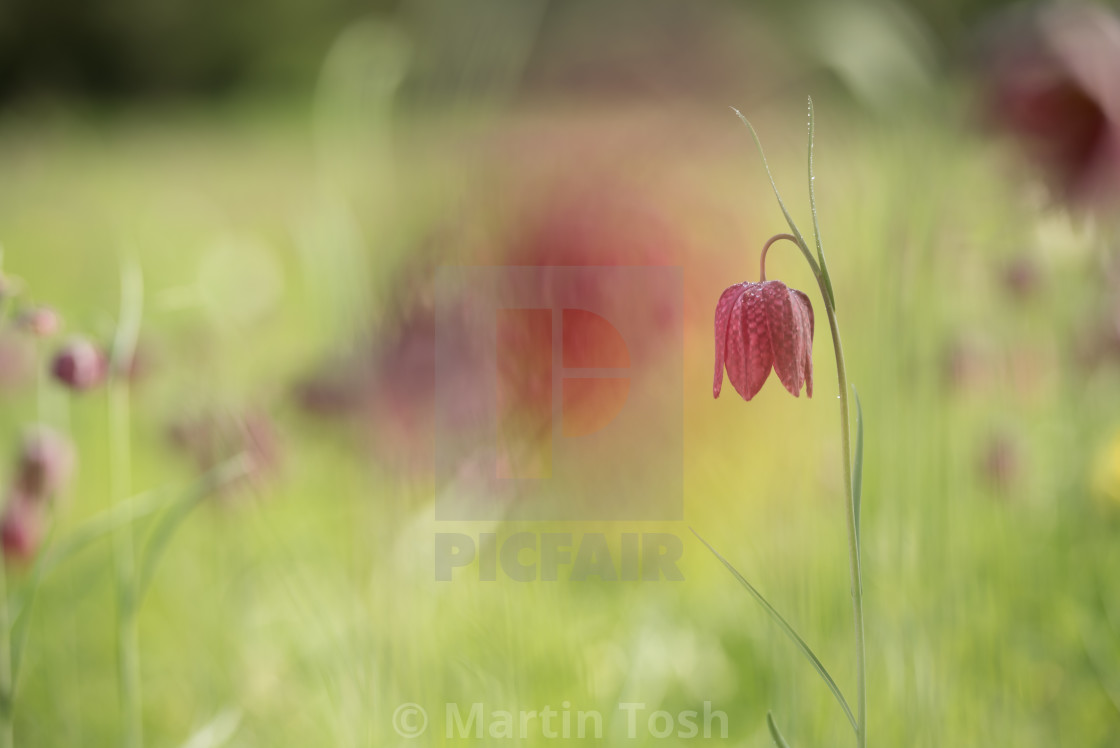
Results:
[764, 326]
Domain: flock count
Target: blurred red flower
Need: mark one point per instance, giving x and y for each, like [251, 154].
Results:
[80, 365]
[1050, 79]
[46, 459]
[21, 527]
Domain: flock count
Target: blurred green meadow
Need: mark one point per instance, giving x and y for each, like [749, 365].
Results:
[278, 235]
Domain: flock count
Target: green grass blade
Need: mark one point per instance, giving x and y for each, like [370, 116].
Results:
[775, 734]
[103, 524]
[1103, 666]
[789, 631]
[813, 209]
[92, 530]
[161, 534]
[97, 527]
[857, 464]
[789, 219]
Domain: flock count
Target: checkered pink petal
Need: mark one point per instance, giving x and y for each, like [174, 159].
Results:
[723, 316]
[803, 312]
[759, 327]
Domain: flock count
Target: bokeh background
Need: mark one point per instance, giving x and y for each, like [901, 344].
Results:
[286, 177]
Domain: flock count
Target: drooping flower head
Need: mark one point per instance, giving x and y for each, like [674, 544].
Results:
[759, 327]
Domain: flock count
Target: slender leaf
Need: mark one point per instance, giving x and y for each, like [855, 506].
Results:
[857, 465]
[161, 535]
[93, 529]
[775, 734]
[789, 219]
[813, 209]
[789, 631]
[100, 526]
[103, 524]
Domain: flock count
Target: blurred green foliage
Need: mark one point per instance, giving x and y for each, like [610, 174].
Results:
[311, 614]
[307, 616]
[112, 49]
[129, 48]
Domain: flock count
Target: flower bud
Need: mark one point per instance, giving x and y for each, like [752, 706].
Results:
[80, 365]
[21, 528]
[1000, 462]
[1022, 278]
[42, 321]
[45, 463]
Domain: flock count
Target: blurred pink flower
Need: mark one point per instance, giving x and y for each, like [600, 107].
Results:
[1000, 462]
[45, 461]
[390, 386]
[1022, 278]
[80, 365]
[212, 438]
[21, 527]
[41, 321]
[1051, 80]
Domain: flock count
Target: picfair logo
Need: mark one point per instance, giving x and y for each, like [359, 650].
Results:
[558, 393]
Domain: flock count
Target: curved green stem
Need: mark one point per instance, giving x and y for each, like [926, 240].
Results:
[854, 565]
[824, 281]
[766, 248]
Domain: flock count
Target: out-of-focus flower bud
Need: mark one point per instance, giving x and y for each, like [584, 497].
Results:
[45, 462]
[41, 321]
[965, 365]
[1022, 278]
[1000, 462]
[80, 365]
[21, 528]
